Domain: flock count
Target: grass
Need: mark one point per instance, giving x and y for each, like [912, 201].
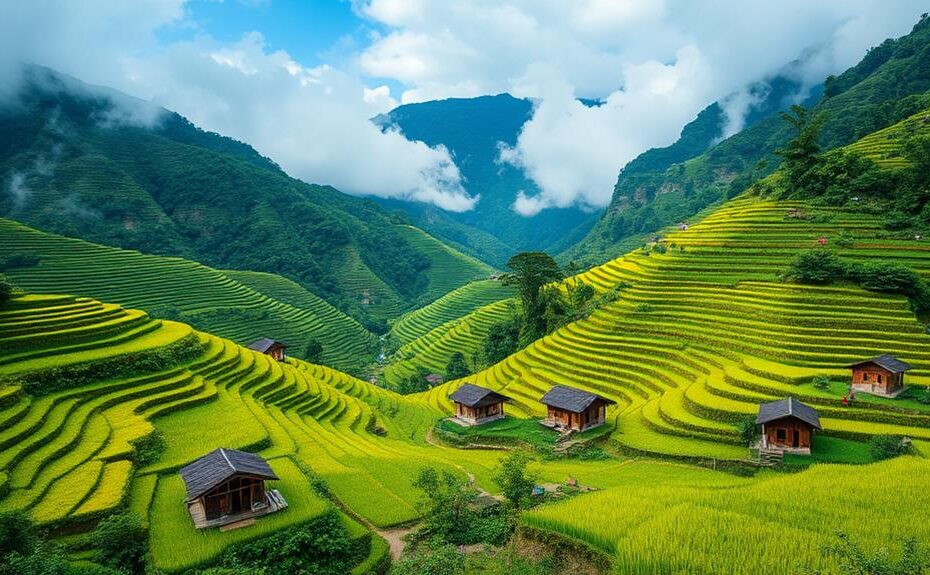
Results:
[509, 430]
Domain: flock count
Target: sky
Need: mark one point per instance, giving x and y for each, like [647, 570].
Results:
[300, 80]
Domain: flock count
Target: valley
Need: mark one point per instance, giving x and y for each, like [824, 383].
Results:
[210, 365]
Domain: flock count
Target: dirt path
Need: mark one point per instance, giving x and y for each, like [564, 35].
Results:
[394, 537]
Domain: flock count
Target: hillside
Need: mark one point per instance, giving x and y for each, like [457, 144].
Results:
[172, 189]
[473, 129]
[242, 306]
[690, 345]
[662, 187]
[703, 332]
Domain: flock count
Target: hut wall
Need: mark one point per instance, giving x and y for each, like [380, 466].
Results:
[781, 434]
[871, 377]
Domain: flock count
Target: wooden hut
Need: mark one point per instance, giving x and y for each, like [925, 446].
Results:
[788, 425]
[574, 409]
[882, 375]
[475, 405]
[226, 486]
[271, 347]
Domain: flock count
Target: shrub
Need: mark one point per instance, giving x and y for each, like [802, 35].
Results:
[816, 266]
[121, 542]
[852, 560]
[747, 429]
[457, 367]
[321, 547]
[822, 382]
[313, 352]
[888, 446]
[20, 260]
[433, 560]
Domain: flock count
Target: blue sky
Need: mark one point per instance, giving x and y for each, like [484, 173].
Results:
[313, 32]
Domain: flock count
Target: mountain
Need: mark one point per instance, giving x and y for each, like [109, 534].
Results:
[473, 129]
[666, 185]
[95, 164]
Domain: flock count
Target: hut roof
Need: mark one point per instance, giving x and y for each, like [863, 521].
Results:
[264, 344]
[471, 395]
[219, 465]
[889, 362]
[790, 407]
[572, 399]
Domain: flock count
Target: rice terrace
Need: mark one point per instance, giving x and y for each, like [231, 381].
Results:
[402, 288]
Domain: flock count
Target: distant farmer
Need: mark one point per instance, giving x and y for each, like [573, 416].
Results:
[682, 226]
[822, 241]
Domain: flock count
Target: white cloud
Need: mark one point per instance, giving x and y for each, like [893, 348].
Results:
[657, 63]
[314, 122]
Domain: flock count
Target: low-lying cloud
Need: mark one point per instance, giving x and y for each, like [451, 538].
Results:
[314, 122]
[654, 63]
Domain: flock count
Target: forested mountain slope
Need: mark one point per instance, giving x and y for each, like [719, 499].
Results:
[242, 306]
[664, 186]
[74, 161]
[473, 130]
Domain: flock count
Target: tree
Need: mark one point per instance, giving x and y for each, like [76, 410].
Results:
[530, 271]
[314, 351]
[121, 542]
[415, 382]
[801, 154]
[502, 340]
[446, 505]
[457, 367]
[6, 290]
[816, 266]
[511, 476]
[17, 533]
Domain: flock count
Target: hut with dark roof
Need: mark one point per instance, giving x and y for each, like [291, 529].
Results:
[788, 425]
[574, 409]
[228, 485]
[268, 346]
[475, 405]
[882, 375]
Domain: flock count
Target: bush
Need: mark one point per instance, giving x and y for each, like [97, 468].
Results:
[816, 266]
[888, 446]
[313, 352]
[17, 533]
[822, 382]
[457, 368]
[433, 560]
[121, 542]
[6, 290]
[321, 547]
[21, 260]
[747, 429]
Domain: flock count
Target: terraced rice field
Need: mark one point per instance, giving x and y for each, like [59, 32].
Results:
[228, 304]
[704, 333]
[449, 268]
[66, 456]
[885, 147]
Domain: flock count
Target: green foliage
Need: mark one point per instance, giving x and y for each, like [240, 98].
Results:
[503, 339]
[121, 542]
[19, 260]
[747, 429]
[851, 559]
[149, 448]
[821, 382]
[17, 533]
[457, 367]
[888, 446]
[313, 351]
[6, 290]
[320, 547]
[530, 271]
[816, 266]
[800, 154]
[415, 382]
[436, 559]
[515, 483]
[446, 505]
